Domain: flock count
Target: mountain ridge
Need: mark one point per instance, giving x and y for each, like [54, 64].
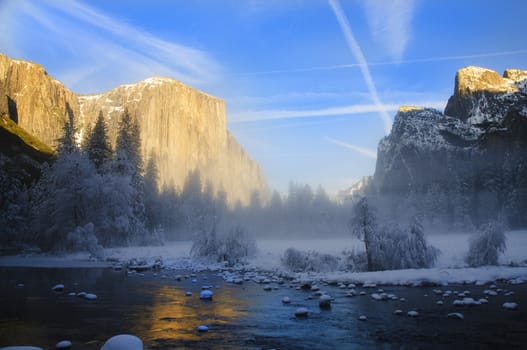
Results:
[183, 128]
[463, 166]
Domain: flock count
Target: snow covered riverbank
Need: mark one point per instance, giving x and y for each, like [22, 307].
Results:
[450, 267]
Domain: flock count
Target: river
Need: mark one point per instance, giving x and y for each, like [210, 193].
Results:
[154, 307]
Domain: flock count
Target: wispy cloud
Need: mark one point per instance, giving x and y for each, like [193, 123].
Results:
[367, 152]
[107, 47]
[390, 23]
[359, 56]
[249, 116]
[390, 63]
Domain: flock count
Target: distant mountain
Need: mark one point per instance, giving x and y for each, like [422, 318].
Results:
[466, 165]
[357, 190]
[184, 129]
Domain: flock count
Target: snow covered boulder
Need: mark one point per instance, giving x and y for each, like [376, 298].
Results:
[206, 295]
[379, 296]
[362, 318]
[65, 344]
[286, 300]
[203, 329]
[398, 312]
[324, 301]
[466, 302]
[123, 342]
[301, 312]
[188, 294]
[455, 315]
[58, 288]
[90, 296]
[510, 306]
[413, 313]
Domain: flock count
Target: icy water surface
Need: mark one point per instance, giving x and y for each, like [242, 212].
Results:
[156, 309]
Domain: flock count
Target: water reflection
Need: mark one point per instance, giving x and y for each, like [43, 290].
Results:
[240, 317]
[173, 317]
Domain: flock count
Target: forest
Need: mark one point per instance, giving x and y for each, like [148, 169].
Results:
[92, 196]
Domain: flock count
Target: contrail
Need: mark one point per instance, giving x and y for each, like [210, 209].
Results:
[362, 150]
[363, 64]
[390, 63]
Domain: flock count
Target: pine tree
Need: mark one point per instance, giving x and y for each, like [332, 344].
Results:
[97, 145]
[152, 195]
[192, 202]
[66, 143]
[128, 144]
[128, 163]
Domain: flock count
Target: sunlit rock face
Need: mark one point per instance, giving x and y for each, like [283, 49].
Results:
[482, 95]
[183, 128]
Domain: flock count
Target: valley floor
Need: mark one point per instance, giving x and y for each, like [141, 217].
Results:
[450, 267]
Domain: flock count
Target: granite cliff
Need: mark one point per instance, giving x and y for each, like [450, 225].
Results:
[183, 128]
[466, 165]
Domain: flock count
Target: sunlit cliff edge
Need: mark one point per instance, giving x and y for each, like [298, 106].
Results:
[183, 128]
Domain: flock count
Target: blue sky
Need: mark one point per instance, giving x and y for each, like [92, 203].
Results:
[311, 86]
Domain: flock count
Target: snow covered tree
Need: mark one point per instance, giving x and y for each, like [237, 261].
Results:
[486, 246]
[62, 200]
[235, 245]
[363, 226]
[128, 162]
[416, 252]
[128, 143]
[82, 238]
[205, 243]
[97, 146]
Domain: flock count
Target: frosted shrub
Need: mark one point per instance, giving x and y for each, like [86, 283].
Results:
[236, 244]
[205, 244]
[82, 238]
[486, 245]
[300, 261]
[295, 260]
[230, 247]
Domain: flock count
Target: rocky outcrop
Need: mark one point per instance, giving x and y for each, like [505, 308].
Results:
[464, 166]
[183, 128]
[21, 154]
[34, 100]
[483, 96]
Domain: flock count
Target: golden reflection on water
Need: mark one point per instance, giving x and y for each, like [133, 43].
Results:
[174, 316]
